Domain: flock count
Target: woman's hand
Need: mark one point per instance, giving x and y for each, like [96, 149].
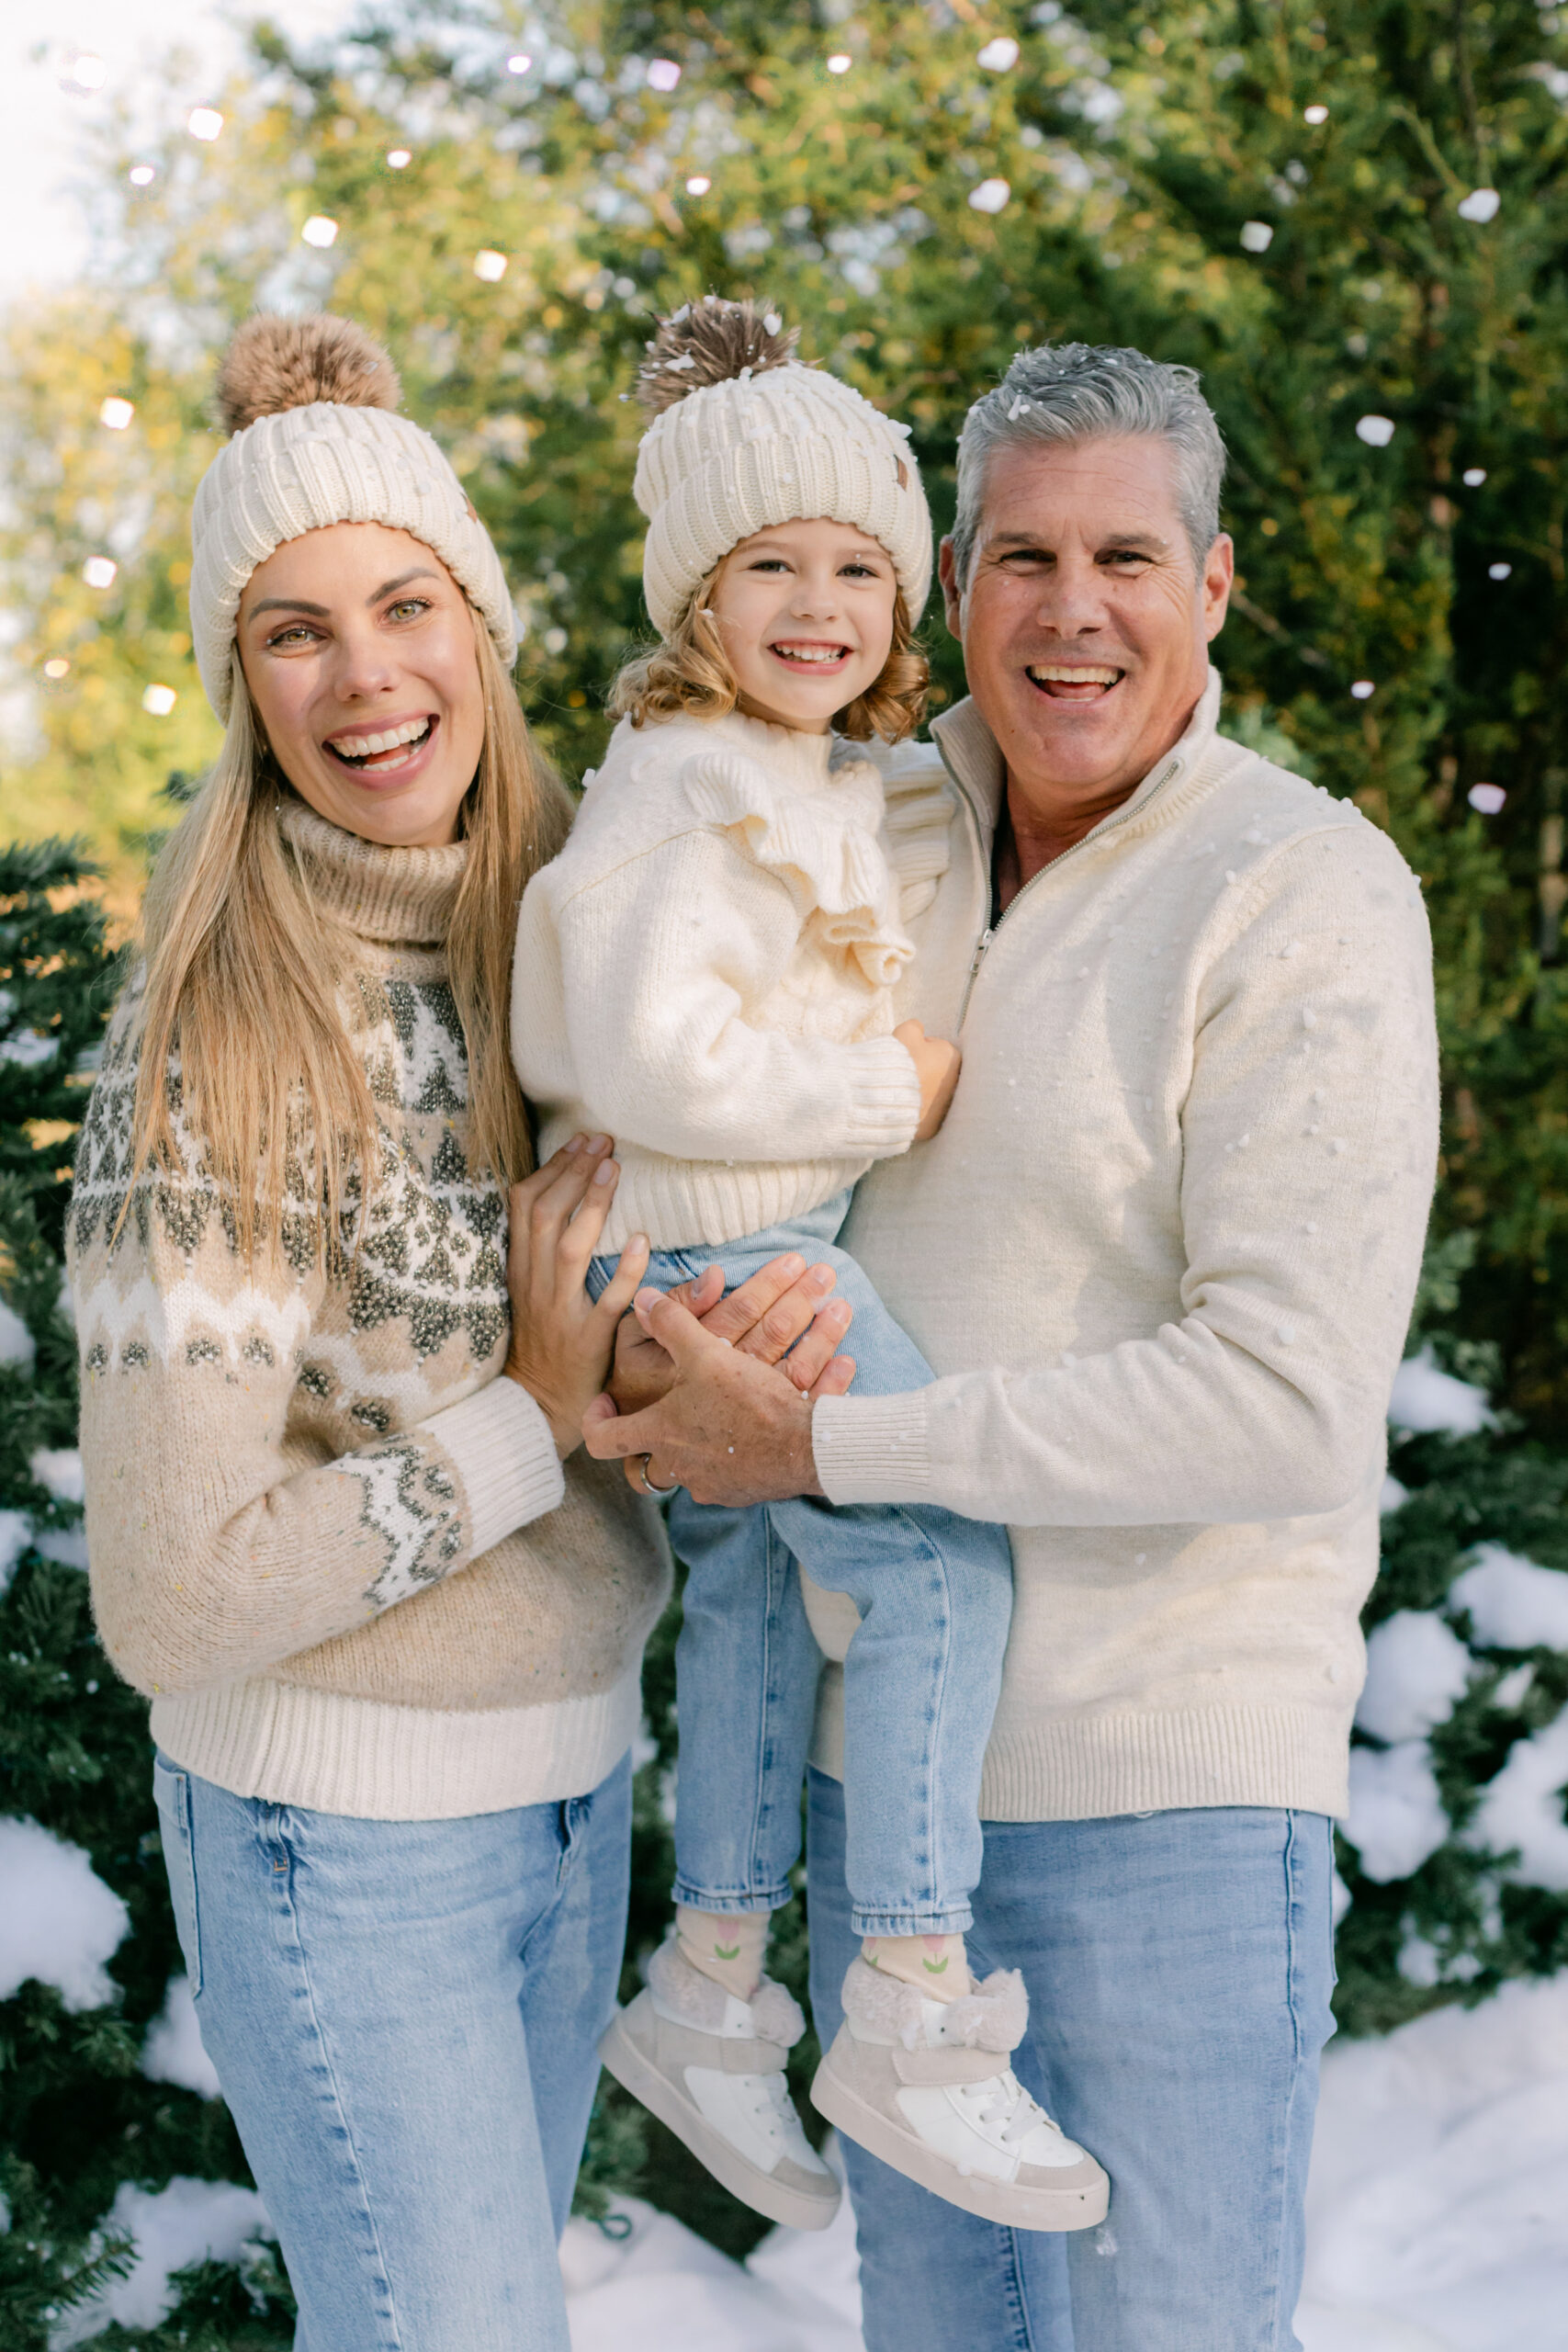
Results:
[561, 1339]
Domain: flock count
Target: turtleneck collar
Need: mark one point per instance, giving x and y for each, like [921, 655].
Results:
[402, 896]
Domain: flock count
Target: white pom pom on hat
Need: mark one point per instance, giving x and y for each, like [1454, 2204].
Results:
[299, 463]
[781, 445]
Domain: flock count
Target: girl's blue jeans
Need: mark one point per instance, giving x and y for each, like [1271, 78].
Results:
[934, 1593]
[403, 2016]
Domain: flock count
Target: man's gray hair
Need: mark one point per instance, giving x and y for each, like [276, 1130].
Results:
[1084, 391]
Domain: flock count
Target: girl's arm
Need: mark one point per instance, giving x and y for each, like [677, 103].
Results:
[658, 961]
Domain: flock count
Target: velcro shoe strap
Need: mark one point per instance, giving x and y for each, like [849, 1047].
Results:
[954, 2065]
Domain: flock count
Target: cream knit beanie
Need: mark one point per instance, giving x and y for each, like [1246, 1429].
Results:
[748, 437]
[309, 405]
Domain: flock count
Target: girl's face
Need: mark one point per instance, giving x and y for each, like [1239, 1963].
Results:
[804, 611]
[359, 647]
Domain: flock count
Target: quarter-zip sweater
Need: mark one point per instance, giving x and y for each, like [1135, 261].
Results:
[1162, 1257]
[334, 1548]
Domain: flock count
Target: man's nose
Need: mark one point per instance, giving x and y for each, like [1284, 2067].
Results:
[1072, 598]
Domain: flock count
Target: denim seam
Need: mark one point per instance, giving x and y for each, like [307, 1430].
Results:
[934, 1868]
[1277, 2320]
[270, 1835]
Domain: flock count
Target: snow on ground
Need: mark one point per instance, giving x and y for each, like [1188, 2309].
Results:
[58, 1920]
[1437, 2218]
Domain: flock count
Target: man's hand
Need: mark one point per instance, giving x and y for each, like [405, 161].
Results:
[731, 1428]
[765, 1318]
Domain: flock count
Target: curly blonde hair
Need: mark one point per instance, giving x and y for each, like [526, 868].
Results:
[690, 671]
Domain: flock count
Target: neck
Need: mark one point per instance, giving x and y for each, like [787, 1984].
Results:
[1035, 830]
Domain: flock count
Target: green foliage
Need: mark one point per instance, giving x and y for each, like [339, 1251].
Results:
[1136, 145]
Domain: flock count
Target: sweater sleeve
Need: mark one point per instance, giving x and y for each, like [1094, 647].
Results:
[217, 1546]
[659, 962]
[1309, 1143]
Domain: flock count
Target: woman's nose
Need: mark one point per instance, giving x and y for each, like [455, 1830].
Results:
[362, 665]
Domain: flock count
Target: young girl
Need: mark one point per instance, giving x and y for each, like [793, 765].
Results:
[707, 971]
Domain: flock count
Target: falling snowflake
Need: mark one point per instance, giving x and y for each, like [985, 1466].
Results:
[1364, 690]
[519, 64]
[1377, 431]
[1487, 797]
[1481, 205]
[663, 73]
[1314, 113]
[1474, 476]
[698, 184]
[989, 197]
[397, 159]
[998, 56]
[204, 122]
[1498, 570]
[1257, 236]
[840, 63]
[158, 701]
[116, 414]
[490, 265]
[100, 570]
[320, 230]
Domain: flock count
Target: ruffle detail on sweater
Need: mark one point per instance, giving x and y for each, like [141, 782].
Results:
[920, 808]
[823, 845]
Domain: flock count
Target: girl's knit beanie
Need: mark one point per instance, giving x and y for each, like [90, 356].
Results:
[744, 437]
[310, 404]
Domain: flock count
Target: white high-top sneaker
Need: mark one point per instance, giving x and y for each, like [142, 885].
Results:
[924, 2085]
[712, 2068]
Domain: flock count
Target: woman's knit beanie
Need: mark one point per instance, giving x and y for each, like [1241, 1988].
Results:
[310, 404]
[744, 437]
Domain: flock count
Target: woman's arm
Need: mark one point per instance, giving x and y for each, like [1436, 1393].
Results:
[215, 1550]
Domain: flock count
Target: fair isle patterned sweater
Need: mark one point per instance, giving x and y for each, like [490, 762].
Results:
[329, 1543]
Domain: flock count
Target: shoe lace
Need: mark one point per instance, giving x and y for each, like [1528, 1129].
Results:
[1002, 2100]
[772, 2109]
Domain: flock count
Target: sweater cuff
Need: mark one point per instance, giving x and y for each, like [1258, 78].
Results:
[873, 1449]
[885, 1101]
[501, 1446]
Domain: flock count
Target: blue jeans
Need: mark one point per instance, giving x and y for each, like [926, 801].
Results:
[934, 1593]
[403, 2016]
[1180, 1967]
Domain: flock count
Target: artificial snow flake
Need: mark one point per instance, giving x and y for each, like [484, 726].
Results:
[204, 122]
[1487, 797]
[320, 230]
[86, 72]
[158, 701]
[1481, 205]
[1473, 477]
[56, 667]
[100, 570]
[520, 63]
[698, 184]
[663, 73]
[116, 414]
[490, 265]
[1314, 113]
[840, 63]
[141, 174]
[397, 159]
[1364, 690]
[1498, 570]
[1257, 236]
[989, 197]
[998, 56]
[1377, 431]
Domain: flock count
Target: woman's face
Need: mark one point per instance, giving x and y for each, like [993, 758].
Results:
[359, 647]
[805, 613]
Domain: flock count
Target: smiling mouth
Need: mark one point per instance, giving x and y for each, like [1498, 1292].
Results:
[382, 751]
[811, 657]
[1073, 680]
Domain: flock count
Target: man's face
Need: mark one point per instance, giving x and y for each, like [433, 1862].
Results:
[1085, 629]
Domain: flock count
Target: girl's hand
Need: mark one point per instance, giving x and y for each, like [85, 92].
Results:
[562, 1340]
[937, 1061]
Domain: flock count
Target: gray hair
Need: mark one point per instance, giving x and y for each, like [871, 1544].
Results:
[1083, 391]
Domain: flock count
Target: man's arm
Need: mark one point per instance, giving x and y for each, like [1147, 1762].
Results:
[1307, 1180]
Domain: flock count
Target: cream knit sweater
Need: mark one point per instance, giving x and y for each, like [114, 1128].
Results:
[1162, 1255]
[334, 1548]
[706, 972]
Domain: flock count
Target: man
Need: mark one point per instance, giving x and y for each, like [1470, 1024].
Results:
[1162, 1256]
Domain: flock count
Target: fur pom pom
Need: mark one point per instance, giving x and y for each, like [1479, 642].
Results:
[275, 364]
[712, 342]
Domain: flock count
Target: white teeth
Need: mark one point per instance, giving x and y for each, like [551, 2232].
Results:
[365, 747]
[1074, 673]
[810, 654]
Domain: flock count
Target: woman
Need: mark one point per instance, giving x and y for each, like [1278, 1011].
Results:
[341, 1529]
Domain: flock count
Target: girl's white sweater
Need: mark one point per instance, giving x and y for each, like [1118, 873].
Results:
[707, 973]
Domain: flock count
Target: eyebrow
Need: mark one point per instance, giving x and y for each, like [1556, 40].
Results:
[300, 605]
[1006, 541]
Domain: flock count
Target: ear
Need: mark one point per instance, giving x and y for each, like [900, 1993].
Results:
[951, 600]
[1219, 575]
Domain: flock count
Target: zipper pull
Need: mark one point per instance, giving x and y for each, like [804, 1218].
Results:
[985, 943]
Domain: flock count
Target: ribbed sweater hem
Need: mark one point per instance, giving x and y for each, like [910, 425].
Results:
[374, 1762]
[682, 1204]
[873, 1449]
[1087, 1768]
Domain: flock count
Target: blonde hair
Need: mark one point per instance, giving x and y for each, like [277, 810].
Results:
[242, 973]
[690, 671]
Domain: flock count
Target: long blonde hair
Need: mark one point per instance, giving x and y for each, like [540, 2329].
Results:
[243, 976]
[690, 671]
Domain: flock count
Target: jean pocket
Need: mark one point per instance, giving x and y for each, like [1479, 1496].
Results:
[171, 1788]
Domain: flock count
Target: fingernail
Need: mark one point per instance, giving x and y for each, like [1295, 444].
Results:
[838, 1312]
[640, 1242]
[607, 1172]
[598, 1143]
[793, 1264]
[820, 1278]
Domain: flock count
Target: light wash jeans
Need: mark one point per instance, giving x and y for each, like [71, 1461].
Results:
[403, 2015]
[934, 1593]
[1180, 1967]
